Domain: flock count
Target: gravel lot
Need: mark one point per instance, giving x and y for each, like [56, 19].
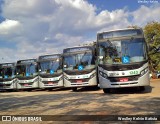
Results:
[84, 102]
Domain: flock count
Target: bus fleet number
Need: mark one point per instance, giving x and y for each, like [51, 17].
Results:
[133, 72]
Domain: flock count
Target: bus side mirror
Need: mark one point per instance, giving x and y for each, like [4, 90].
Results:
[100, 57]
[64, 66]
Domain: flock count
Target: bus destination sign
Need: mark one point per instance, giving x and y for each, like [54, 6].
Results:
[49, 57]
[120, 33]
[26, 61]
[76, 49]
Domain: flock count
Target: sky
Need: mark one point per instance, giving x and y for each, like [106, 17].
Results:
[30, 28]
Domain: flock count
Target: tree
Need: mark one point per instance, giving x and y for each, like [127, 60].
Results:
[152, 35]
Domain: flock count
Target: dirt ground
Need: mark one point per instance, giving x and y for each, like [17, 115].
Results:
[125, 101]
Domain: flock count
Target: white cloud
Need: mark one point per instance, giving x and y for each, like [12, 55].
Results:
[107, 20]
[146, 14]
[8, 26]
[47, 26]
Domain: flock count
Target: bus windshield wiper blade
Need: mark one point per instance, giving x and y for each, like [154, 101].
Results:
[83, 57]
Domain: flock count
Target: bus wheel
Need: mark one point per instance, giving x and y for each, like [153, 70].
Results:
[141, 88]
[50, 89]
[107, 90]
[10, 90]
[29, 90]
[74, 89]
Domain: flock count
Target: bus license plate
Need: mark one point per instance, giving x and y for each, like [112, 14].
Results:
[25, 84]
[79, 81]
[50, 82]
[123, 79]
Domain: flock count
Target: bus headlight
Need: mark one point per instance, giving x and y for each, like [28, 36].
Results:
[94, 74]
[144, 71]
[40, 79]
[66, 77]
[61, 78]
[36, 80]
[103, 74]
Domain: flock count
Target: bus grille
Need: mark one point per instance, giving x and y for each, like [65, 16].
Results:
[125, 83]
[130, 78]
[80, 84]
[75, 80]
[47, 82]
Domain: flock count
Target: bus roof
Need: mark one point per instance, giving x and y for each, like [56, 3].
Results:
[121, 33]
[122, 29]
[26, 61]
[7, 64]
[77, 48]
[48, 57]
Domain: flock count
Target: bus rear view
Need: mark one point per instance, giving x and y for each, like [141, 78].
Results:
[122, 59]
[50, 71]
[7, 76]
[27, 74]
[79, 67]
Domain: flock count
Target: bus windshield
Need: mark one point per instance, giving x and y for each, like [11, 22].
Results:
[73, 61]
[7, 72]
[26, 70]
[1, 72]
[50, 66]
[122, 52]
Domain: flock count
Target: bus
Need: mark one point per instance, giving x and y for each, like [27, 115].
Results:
[122, 59]
[79, 67]
[7, 76]
[50, 71]
[27, 74]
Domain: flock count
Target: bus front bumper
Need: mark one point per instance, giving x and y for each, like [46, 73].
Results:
[142, 81]
[80, 82]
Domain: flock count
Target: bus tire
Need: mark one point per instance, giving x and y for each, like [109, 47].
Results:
[29, 90]
[9, 90]
[50, 89]
[74, 89]
[107, 90]
[141, 88]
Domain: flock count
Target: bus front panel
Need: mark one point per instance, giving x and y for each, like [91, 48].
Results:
[127, 78]
[80, 80]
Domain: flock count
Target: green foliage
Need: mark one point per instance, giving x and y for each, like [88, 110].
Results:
[152, 35]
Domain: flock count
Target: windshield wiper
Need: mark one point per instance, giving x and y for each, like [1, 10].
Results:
[28, 69]
[52, 65]
[83, 57]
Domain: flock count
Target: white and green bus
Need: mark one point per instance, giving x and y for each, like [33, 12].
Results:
[50, 71]
[27, 74]
[122, 59]
[7, 76]
[79, 68]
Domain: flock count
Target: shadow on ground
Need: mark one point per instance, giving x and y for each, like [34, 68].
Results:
[84, 103]
[131, 90]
